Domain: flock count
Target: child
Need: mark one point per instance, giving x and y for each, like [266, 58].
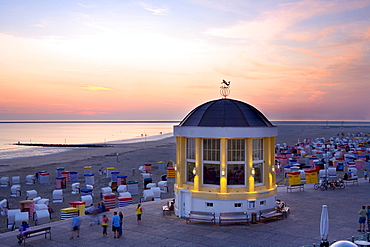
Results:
[139, 212]
[104, 224]
[365, 174]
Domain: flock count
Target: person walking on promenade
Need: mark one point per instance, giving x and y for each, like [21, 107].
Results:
[104, 224]
[362, 218]
[115, 224]
[120, 214]
[103, 208]
[25, 227]
[76, 222]
[368, 218]
[139, 212]
[94, 215]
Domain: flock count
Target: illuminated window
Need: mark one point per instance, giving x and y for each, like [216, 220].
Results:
[190, 159]
[235, 174]
[211, 161]
[190, 172]
[257, 156]
[236, 162]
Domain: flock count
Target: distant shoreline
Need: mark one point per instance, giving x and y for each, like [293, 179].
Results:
[63, 145]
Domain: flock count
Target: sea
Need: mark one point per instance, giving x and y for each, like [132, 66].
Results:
[99, 132]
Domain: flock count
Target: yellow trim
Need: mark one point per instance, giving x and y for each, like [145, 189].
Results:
[223, 182]
[234, 196]
[198, 163]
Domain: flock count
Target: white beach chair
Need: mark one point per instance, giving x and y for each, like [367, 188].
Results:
[11, 218]
[106, 190]
[146, 175]
[57, 196]
[41, 217]
[122, 188]
[15, 190]
[30, 179]
[125, 194]
[19, 218]
[332, 172]
[36, 199]
[4, 206]
[16, 180]
[89, 186]
[4, 182]
[76, 188]
[151, 185]
[156, 193]
[41, 206]
[163, 186]
[141, 168]
[148, 195]
[43, 201]
[88, 199]
[31, 194]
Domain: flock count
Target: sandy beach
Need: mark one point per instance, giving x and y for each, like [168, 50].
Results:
[130, 156]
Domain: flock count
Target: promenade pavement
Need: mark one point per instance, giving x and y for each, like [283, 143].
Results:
[300, 228]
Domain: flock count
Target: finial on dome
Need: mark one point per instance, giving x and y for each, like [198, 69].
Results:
[225, 88]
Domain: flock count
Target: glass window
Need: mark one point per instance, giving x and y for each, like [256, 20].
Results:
[236, 162]
[257, 156]
[190, 172]
[211, 149]
[211, 161]
[190, 148]
[211, 174]
[235, 174]
[258, 172]
[257, 149]
[236, 149]
[190, 159]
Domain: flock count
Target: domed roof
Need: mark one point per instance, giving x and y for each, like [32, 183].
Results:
[225, 113]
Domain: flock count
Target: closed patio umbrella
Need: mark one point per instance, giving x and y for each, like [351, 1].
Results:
[324, 226]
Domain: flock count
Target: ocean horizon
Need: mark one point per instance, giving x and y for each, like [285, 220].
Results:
[104, 132]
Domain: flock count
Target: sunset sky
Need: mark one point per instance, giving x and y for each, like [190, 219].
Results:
[157, 60]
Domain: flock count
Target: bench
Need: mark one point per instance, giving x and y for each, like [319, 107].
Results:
[234, 217]
[270, 213]
[295, 186]
[37, 232]
[168, 207]
[351, 180]
[201, 216]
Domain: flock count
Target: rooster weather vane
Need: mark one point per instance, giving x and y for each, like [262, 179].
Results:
[225, 88]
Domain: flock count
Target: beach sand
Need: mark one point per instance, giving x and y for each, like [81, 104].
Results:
[130, 155]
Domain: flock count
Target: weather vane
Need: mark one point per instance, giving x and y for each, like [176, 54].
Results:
[225, 88]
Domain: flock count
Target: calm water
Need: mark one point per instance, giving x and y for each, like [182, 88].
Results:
[110, 132]
[72, 132]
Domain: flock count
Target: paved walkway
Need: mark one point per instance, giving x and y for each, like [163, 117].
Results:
[301, 228]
